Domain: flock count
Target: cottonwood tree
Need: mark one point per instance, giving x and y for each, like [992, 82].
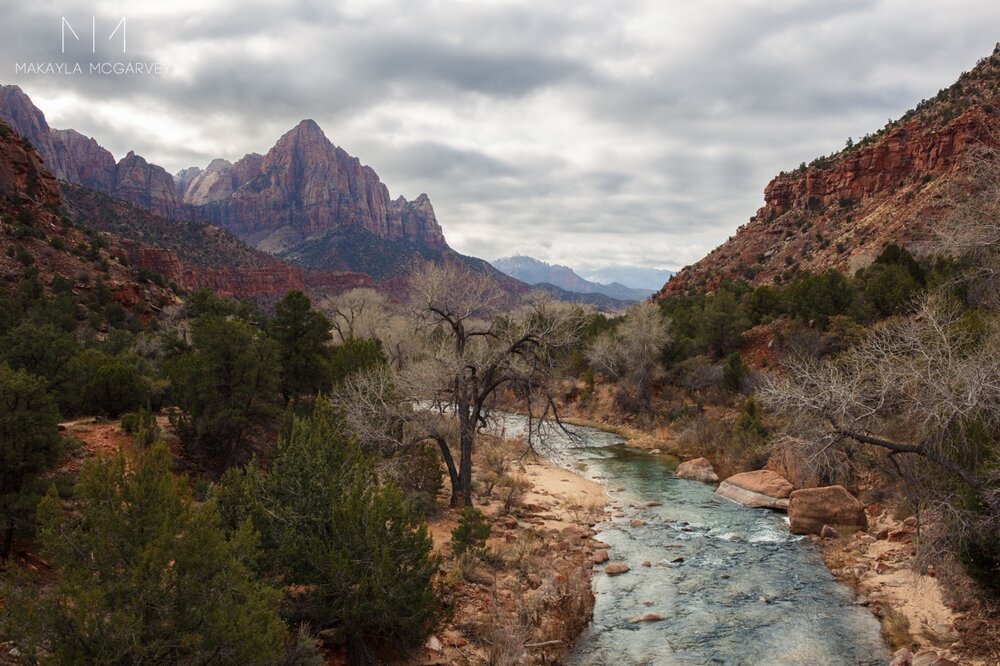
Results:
[358, 313]
[475, 344]
[362, 314]
[924, 387]
[632, 351]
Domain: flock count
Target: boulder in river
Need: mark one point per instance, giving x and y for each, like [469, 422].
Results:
[762, 489]
[615, 568]
[698, 469]
[648, 617]
[810, 509]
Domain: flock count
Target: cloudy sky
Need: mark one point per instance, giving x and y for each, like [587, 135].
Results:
[585, 132]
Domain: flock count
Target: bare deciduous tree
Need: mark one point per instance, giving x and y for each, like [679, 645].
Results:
[358, 313]
[476, 342]
[971, 227]
[632, 351]
[922, 386]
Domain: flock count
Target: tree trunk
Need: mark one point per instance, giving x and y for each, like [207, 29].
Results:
[465, 463]
[449, 462]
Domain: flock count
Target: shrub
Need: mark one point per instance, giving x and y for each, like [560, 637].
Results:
[226, 384]
[141, 424]
[471, 533]
[356, 553]
[29, 444]
[145, 576]
[419, 474]
[114, 388]
[734, 374]
[512, 488]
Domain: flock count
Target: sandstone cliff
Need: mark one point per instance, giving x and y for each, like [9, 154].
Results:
[842, 210]
[303, 186]
[38, 241]
[74, 158]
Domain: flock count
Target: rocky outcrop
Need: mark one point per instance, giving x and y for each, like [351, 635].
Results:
[698, 469]
[29, 122]
[216, 182]
[87, 163]
[23, 177]
[147, 185]
[30, 195]
[75, 158]
[810, 509]
[762, 489]
[841, 210]
[184, 178]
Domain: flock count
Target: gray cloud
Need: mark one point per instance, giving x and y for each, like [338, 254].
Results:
[636, 131]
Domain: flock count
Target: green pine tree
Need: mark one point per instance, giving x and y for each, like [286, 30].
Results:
[29, 444]
[145, 576]
[303, 337]
[226, 384]
[358, 556]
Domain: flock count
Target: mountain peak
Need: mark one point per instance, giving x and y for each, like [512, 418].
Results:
[308, 127]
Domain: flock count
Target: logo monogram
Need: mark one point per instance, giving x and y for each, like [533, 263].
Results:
[93, 33]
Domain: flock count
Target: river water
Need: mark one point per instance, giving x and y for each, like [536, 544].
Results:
[733, 585]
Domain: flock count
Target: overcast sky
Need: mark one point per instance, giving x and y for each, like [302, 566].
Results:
[584, 133]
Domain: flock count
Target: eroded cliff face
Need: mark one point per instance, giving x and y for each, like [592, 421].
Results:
[276, 279]
[307, 202]
[841, 211]
[303, 186]
[30, 223]
[147, 185]
[75, 158]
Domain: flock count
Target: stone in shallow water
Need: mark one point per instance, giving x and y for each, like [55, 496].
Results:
[616, 568]
[698, 469]
[762, 489]
[811, 509]
[647, 617]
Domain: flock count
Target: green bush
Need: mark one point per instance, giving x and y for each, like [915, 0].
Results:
[142, 424]
[353, 356]
[734, 374]
[226, 383]
[29, 445]
[357, 555]
[145, 576]
[471, 533]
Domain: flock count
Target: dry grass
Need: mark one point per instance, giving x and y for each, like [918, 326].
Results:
[895, 627]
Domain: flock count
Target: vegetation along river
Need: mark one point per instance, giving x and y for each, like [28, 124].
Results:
[732, 584]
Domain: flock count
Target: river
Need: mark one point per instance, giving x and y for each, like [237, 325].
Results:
[733, 585]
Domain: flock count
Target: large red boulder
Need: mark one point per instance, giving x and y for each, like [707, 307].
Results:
[810, 509]
[762, 489]
[698, 469]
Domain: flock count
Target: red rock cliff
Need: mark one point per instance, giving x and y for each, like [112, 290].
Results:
[841, 211]
[306, 185]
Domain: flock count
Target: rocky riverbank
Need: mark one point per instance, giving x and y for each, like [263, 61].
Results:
[919, 618]
[527, 598]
